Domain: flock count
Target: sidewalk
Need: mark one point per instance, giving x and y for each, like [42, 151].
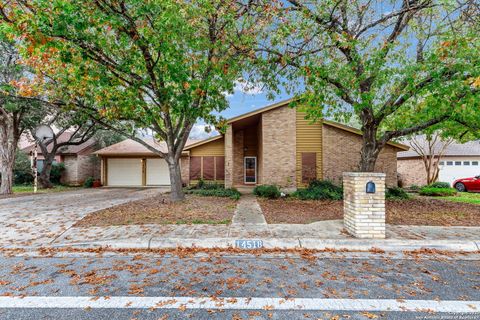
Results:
[249, 224]
[319, 235]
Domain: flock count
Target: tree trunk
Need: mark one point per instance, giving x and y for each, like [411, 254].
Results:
[44, 177]
[176, 193]
[8, 147]
[7, 175]
[370, 149]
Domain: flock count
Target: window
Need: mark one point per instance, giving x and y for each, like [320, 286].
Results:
[449, 163]
[208, 168]
[466, 163]
[474, 163]
[442, 163]
[220, 168]
[195, 168]
[458, 163]
[40, 164]
[309, 166]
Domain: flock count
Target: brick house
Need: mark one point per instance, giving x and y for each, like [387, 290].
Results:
[459, 160]
[271, 145]
[79, 161]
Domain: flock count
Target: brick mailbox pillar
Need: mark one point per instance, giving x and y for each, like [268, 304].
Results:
[364, 207]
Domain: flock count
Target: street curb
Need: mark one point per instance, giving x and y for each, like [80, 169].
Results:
[387, 245]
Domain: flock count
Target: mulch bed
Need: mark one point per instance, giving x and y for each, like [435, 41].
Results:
[159, 210]
[417, 211]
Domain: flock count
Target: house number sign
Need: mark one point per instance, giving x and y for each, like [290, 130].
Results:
[249, 244]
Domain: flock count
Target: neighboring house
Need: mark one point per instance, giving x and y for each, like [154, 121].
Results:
[78, 160]
[272, 145]
[460, 160]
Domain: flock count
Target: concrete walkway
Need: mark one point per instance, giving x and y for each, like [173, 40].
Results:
[248, 211]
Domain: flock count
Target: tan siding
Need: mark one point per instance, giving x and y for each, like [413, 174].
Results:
[214, 148]
[309, 139]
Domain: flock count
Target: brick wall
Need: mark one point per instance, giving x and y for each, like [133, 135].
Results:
[238, 154]
[85, 168]
[411, 171]
[364, 213]
[70, 174]
[185, 169]
[229, 157]
[341, 153]
[279, 138]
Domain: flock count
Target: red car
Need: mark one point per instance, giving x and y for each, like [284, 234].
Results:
[467, 184]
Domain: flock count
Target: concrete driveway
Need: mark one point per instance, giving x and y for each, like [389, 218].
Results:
[38, 220]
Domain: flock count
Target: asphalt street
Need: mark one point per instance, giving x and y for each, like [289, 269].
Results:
[240, 286]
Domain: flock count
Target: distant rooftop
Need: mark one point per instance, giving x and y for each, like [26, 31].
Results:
[471, 148]
[132, 147]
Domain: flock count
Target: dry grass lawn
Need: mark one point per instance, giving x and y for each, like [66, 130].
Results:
[417, 211]
[159, 210]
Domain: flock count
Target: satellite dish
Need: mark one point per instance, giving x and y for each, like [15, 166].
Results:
[43, 133]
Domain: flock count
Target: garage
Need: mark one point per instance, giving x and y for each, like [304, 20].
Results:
[452, 169]
[130, 164]
[124, 172]
[157, 173]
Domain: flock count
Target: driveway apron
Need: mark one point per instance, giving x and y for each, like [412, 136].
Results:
[38, 220]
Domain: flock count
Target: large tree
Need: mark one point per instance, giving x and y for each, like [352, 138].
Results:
[399, 67]
[159, 65]
[74, 129]
[17, 112]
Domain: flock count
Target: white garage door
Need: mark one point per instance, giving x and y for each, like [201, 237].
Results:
[124, 172]
[452, 169]
[157, 172]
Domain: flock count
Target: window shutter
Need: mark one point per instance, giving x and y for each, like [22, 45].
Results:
[195, 168]
[208, 168]
[309, 166]
[220, 168]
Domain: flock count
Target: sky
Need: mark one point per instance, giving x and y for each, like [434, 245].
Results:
[245, 98]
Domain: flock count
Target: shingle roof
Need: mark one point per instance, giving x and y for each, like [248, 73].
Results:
[132, 147]
[471, 148]
[67, 149]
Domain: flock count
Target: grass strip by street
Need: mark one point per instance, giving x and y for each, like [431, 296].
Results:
[465, 197]
[29, 189]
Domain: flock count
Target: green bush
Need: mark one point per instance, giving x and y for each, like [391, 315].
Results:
[88, 182]
[414, 187]
[320, 190]
[267, 191]
[22, 171]
[212, 186]
[220, 192]
[396, 193]
[437, 192]
[441, 185]
[206, 185]
[56, 172]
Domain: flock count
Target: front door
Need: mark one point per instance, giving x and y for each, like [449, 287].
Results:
[250, 170]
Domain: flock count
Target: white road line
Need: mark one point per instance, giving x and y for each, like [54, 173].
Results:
[241, 304]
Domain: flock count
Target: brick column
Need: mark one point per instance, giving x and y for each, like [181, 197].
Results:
[229, 157]
[364, 213]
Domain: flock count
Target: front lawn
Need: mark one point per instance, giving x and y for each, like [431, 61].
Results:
[29, 189]
[416, 211]
[159, 210]
[465, 197]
